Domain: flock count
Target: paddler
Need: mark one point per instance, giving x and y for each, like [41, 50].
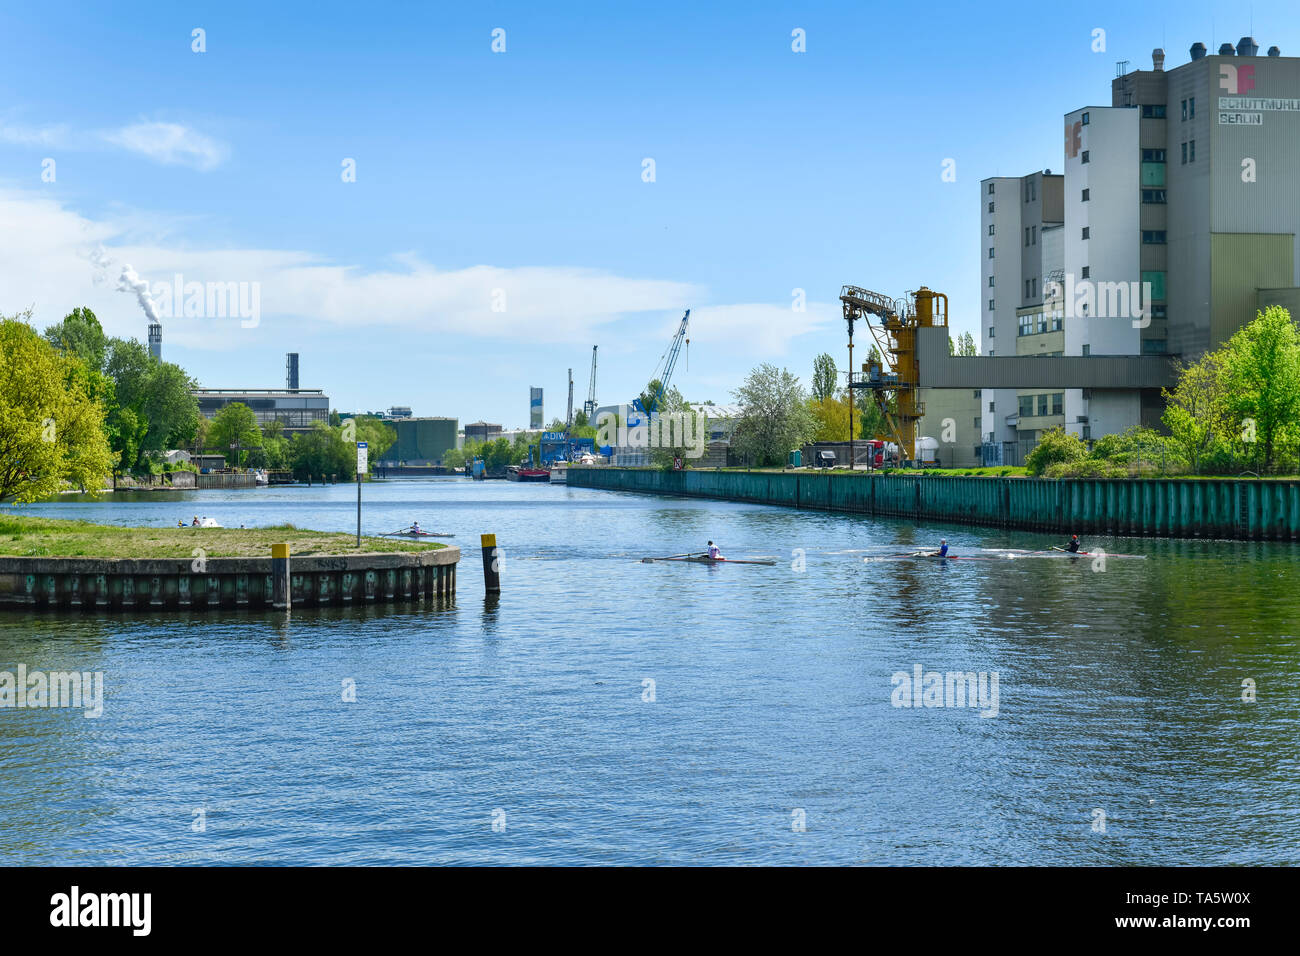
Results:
[415, 527]
[714, 553]
[1073, 546]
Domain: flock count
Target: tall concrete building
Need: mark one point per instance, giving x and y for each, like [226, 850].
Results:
[1178, 213]
[1017, 216]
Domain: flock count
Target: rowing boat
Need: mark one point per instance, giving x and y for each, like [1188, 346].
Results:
[416, 534]
[999, 554]
[705, 559]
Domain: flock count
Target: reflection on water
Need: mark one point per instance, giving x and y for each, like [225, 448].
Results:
[228, 737]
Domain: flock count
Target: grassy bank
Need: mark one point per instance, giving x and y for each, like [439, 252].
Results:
[48, 537]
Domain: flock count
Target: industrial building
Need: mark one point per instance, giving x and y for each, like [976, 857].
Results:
[1176, 214]
[297, 409]
[421, 441]
[482, 431]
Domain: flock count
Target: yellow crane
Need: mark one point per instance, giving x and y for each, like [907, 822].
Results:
[895, 335]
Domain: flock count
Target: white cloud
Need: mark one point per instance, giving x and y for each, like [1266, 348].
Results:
[51, 256]
[171, 144]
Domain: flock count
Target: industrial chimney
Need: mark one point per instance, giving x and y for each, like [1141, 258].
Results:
[1157, 59]
[291, 371]
[155, 340]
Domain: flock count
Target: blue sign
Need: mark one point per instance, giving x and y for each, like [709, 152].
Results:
[552, 436]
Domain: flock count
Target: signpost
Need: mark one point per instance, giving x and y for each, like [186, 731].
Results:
[363, 465]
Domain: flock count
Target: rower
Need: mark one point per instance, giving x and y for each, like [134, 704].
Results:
[196, 521]
[714, 553]
[1073, 546]
[415, 527]
[943, 548]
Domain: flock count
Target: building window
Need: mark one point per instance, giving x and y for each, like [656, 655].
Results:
[1058, 403]
[992, 332]
[990, 282]
[1084, 120]
[1034, 285]
[1087, 350]
[1153, 237]
[1154, 346]
[1042, 321]
[990, 356]
[1026, 406]
[1086, 230]
[1153, 111]
[1027, 292]
[1026, 237]
[1191, 150]
[1085, 195]
[1159, 311]
[1058, 321]
[1153, 155]
[990, 252]
[977, 423]
[1153, 196]
[977, 393]
[990, 305]
[990, 189]
[990, 207]
[990, 406]
[1191, 107]
[1033, 235]
[1026, 325]
[1184, 159]
[1042, 404]
[1083, 157]
[1086, 272]
[1183, 103]
[990, 229]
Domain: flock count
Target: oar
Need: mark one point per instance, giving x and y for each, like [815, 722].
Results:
[669, 557]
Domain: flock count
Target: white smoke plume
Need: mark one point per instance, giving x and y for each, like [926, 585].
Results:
[130, 282]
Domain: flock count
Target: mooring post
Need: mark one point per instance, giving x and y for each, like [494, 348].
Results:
[491, 564]
[281, 593]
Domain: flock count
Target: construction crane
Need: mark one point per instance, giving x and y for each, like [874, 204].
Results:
[895, 335]
[568, 418]
[667, 364]
[589, 406]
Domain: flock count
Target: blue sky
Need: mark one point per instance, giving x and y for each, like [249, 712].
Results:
[522, 172]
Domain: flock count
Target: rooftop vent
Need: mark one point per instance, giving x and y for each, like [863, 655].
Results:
[1198, 50]
[1225, 49]
[1157, 59]
[1247, 46]
[1274, 51]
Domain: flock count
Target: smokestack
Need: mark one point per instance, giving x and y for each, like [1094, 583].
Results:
[155, 340]
[291, 371]
[1157, 59]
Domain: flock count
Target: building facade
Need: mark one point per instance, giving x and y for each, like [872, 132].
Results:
[1178, 212]
[296, 410]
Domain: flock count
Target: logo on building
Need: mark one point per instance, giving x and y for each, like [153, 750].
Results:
[1236, 79]
[1073, 136]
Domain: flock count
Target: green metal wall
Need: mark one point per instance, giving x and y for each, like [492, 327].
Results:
[1262, 510]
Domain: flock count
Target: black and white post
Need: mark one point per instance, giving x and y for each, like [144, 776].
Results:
[363, 464]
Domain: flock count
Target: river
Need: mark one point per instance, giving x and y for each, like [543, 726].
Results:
[609, 711]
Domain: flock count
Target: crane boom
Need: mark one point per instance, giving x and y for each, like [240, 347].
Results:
[670, 362]
[589, 406]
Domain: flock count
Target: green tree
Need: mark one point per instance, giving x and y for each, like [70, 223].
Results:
[966, 347]
[321, 451]
[1055, 447]
[1194, 408]
[80, 335]
[832, 415]
[51, 429]
[1261, 381]
[153, 408]
[774, 416]
[376, 434]
[825, 378]
[235, 425]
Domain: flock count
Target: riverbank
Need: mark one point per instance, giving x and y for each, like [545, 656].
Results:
[1164, 507]
[54, 564]
[22, 536]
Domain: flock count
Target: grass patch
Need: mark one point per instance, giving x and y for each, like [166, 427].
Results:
[52, 537]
